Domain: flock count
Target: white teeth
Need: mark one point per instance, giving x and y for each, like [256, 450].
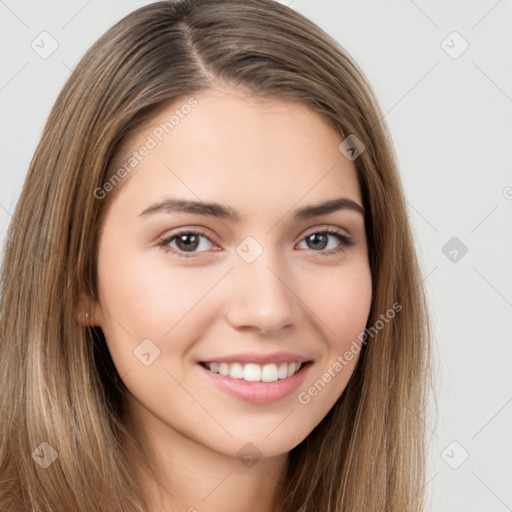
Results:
[253, 372]
[236, 371]
[282, 372]
[269, 373]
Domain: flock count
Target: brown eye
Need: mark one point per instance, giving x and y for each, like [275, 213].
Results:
[186, 243]
[326, 241]
[317, 241]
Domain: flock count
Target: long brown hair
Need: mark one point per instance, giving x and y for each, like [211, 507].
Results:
[59, 385]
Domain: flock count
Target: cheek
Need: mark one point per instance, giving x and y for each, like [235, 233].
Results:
[342, 304]
[151, 301]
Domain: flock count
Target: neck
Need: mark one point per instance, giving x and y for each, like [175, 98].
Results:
[188, 476]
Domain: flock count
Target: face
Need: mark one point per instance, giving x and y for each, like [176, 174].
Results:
[233, 273]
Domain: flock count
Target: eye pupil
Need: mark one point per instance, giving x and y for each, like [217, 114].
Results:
[318, 240]
[187, 242]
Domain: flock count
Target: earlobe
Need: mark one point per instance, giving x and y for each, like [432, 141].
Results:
[88, 314]
[84, 319]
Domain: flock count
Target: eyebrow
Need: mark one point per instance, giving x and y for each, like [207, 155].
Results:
[172, 205]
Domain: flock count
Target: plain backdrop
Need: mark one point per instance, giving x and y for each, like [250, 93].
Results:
[442, 72]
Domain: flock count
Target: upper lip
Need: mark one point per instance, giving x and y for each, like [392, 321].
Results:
[254, 357]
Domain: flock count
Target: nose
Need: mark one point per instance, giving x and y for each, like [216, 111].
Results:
[261, 297]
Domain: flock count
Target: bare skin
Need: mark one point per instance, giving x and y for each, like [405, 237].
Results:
[198, 298]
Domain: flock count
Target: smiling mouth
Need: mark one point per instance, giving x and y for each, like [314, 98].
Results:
[252, 372]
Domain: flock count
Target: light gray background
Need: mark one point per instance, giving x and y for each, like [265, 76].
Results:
[451, 119]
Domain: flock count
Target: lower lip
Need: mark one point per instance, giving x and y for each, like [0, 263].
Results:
[258, 392]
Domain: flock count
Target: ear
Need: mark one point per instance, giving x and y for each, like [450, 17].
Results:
[88, 311]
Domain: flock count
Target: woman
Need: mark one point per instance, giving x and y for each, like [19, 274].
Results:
[210, 295]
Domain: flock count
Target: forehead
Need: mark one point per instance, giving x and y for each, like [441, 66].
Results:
[226, 145]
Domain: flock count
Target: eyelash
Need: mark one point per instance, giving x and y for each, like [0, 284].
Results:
[345, 242]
